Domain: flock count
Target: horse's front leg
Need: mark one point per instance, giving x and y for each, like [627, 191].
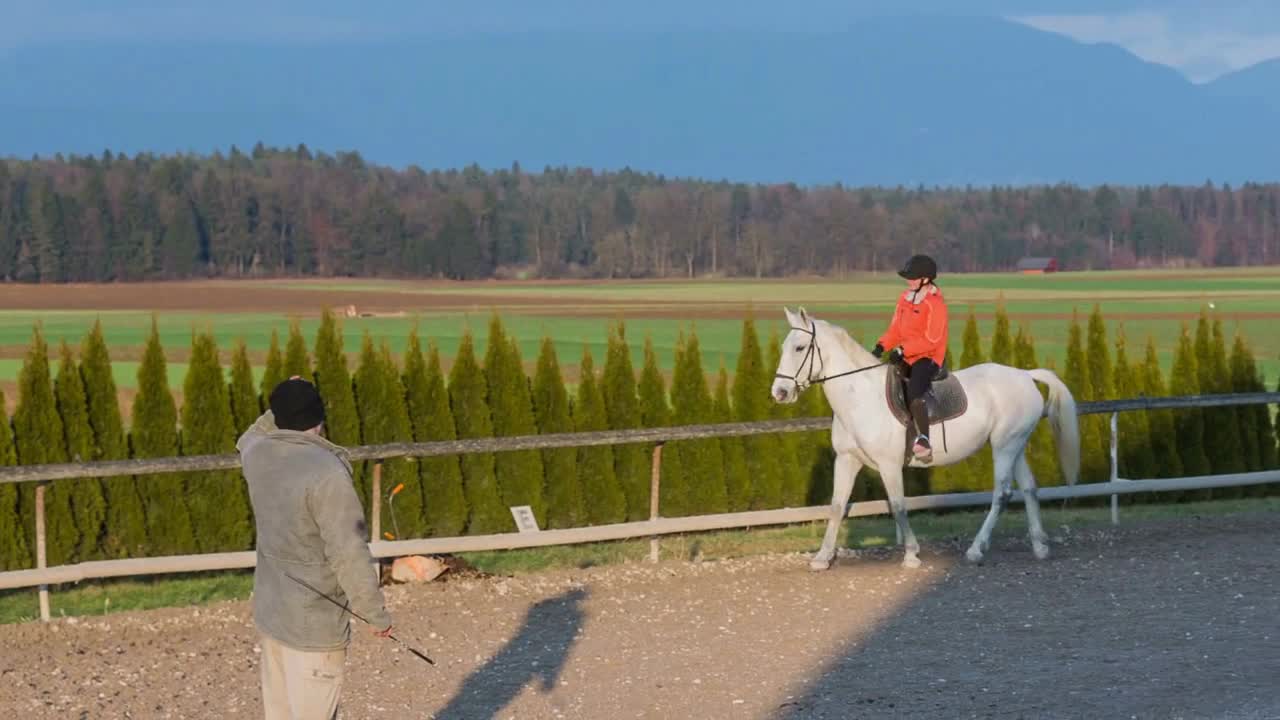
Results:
[846, 471]
[891, 475]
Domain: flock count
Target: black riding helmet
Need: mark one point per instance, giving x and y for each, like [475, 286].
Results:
[919, 266]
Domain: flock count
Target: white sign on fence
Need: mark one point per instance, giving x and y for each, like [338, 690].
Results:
[525, 521]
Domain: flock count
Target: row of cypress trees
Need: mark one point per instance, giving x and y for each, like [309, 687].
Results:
[1156, 444]
[74, 415]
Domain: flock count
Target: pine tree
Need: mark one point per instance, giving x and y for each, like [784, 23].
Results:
[795, 477]
[273, 373]
[154, 434]
[1242, 381]
[701, 463]
[444, 504]
[218, 500]
[245, 408]
[1164, 449]
[1001, 341]
[1222, 424]
[621, 403]
[1133, 428]
[472, 419]
[125, 528]
[38, 435]
[551, 406]
[384, 418]
[1098, 354]
[1203, 352]
[1099, 387]
[737, 482]
[519, 472]
[1093, 452]
[762, 451]
[1268, 435]
[372, 395]
[296, 360]
[410, 501]
[14, 554]
[673, 489]
[654, 410]
[333, 381]
[602, 495]
[971, 349]
[1189, 424]
[88, 505]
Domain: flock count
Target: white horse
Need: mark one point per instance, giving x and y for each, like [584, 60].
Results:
[1003, 407]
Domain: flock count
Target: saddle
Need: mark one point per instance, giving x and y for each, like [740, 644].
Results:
[945, 400]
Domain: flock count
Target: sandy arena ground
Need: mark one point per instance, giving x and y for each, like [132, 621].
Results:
[1155, 620]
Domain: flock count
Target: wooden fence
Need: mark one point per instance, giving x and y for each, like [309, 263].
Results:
[42, 576]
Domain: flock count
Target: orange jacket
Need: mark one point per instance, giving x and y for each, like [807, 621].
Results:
[919, 325]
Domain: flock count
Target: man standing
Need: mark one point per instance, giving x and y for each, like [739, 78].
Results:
[310, 525]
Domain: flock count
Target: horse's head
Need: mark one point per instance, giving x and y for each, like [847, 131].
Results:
[801, 361]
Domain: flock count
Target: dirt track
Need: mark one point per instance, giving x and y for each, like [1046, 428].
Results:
[1164, 620]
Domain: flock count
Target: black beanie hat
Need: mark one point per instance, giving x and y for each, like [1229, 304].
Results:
[296, 405]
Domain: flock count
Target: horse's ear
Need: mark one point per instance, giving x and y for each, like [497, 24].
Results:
[791, 318]
[804, 317]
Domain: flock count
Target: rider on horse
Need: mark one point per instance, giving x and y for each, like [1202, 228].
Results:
[917, 339]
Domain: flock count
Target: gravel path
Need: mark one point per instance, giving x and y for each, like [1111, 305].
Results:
[1175, 619]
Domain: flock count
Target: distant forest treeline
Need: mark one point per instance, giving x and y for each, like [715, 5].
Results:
[296, 213]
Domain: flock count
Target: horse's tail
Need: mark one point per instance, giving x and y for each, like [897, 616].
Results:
[1061, 411]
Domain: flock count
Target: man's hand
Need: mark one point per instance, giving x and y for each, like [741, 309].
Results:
[878, 350]
[383, 633]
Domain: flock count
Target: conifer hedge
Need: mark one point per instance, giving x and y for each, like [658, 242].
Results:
[75, 415]
[444, 505]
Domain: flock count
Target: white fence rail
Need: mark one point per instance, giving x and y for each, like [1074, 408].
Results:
[43, 576]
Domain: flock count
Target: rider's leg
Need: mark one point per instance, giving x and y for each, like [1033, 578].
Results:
[922, 372]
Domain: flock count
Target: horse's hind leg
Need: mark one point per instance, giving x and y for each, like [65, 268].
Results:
[1001, 490]
[1027, 484]
[891, 475]
[846, 471]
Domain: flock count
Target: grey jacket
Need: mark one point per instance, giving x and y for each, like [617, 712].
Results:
[310, 524]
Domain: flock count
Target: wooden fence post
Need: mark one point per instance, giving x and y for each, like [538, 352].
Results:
[375, 514]
[375, 502]
[41, 554]
[1115, 468]
[655, 477]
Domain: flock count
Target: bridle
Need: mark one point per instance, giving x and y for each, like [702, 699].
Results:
[815, 351]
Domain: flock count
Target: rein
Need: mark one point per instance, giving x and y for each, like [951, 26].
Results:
[808, 358]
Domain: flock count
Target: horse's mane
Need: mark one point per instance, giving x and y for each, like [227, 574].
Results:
[853, 348]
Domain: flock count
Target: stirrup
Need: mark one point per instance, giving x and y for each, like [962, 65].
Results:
[927, 453]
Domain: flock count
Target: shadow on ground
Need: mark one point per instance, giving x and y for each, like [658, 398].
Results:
[538, 651]
[1163, 621]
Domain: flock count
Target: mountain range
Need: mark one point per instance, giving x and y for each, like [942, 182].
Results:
[933, 101]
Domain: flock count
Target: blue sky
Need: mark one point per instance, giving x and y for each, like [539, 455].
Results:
[1203, 39]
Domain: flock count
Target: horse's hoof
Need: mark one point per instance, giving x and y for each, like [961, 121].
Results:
[974, 555]
[911, 562]
[818, 564]
[1040, 551]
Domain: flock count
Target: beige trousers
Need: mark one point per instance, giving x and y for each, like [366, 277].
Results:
[299, 685]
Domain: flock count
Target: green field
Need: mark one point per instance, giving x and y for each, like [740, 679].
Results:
[1148, 304]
